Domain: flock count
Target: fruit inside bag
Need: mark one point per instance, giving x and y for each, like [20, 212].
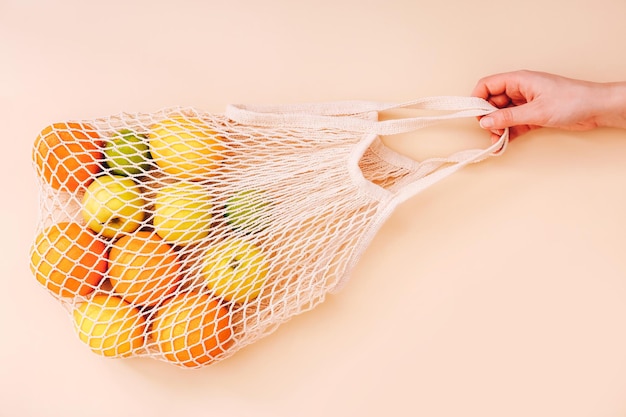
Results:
[184, 236]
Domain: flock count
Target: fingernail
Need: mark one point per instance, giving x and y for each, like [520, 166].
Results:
[486, 122]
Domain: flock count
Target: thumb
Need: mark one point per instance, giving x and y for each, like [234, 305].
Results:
[507, 117]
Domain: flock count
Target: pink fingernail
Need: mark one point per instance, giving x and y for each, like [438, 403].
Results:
[486, 122]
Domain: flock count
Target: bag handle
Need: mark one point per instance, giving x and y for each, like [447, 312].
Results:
[432, 173]
[341, 114]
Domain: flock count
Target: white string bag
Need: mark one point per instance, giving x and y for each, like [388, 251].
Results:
[195, 234]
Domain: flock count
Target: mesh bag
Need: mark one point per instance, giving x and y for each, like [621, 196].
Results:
[184, 236]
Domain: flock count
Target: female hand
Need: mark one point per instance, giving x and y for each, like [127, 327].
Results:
[529, 100]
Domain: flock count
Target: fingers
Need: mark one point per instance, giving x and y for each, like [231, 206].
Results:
[514, 132]
[526, 114]
[513, 94]
[500, 100]
[498, 120]
[494, 85]
[507, 85]
[518, 119]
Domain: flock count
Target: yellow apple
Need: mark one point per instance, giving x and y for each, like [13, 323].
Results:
[182, 213]
[186, 147]
[235, 269]
[113, 205]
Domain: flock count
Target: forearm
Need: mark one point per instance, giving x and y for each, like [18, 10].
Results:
[612, 110]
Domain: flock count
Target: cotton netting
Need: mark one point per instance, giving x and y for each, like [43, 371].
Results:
[184, 236]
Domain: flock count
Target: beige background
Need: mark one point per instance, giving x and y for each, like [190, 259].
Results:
[501, 291]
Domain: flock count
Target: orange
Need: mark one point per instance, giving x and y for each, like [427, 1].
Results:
[143, 269]
[67, 155]
[110, 326]
[68, 259]
[191, 329]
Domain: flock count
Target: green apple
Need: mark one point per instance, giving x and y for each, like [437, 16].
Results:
[182, 213]
[248, 210]
[235, 270]
[113, 205]
[127, 153]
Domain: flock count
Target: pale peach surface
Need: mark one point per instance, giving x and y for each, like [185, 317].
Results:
[500, 291]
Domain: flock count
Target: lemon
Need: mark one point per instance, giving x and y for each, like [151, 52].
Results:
[182, 213]
[185, 147]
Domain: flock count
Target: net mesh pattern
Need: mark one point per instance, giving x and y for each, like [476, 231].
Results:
[184, 236]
